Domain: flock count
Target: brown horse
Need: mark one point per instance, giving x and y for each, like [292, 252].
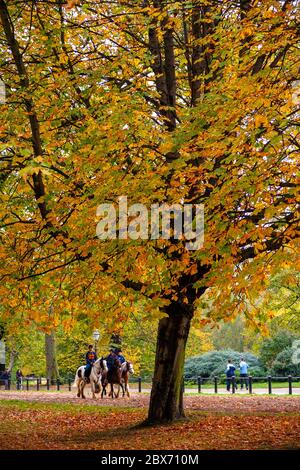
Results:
[126, 370]
[112, 376]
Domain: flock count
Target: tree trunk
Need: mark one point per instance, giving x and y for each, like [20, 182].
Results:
[12, 357]
[166, 402]
[51, 361]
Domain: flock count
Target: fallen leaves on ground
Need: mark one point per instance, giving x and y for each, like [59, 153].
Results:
[213, 423]
[226, 403]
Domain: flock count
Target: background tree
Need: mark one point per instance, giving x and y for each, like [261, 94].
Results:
[271, 347]
[234, 334]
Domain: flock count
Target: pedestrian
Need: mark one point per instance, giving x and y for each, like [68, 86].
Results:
[5, 377]
[19, 379]
[244, 373]
[230, 371]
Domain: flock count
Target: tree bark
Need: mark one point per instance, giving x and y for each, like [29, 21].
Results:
[52, 372]
[12, 357]
[166, 402]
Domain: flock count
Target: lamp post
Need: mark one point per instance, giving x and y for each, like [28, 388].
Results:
[96, 337]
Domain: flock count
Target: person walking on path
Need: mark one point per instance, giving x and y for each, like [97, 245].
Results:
[244, 373]
[19, 379]
[5, 377]
[230, 370]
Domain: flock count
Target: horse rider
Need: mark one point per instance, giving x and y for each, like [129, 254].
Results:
[110, 359]
[119, 355]
[90, 358]
[113, 362]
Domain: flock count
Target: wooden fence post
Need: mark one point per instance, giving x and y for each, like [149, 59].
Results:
[250, 384]
[290, 385]
[233, 383]
[216, 384]
[199, 380]
[269, 384]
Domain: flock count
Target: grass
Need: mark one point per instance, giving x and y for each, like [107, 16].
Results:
[23, 405]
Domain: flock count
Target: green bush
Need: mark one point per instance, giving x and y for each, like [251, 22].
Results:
[283, 365]
[214, 363]
[271, 347]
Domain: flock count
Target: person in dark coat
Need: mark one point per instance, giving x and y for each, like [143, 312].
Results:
[5, 377]
[110, 359]
[120, 356]
[90, 358]
[230, 372]
[19, 378]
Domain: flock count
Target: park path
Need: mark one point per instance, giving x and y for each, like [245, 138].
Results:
[231, 402]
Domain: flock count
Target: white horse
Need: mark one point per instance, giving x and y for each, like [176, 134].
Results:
[99, 367]
[126, 369]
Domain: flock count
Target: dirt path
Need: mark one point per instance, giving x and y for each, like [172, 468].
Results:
[230, 403]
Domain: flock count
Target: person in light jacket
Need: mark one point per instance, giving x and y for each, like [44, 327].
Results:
[244, 373]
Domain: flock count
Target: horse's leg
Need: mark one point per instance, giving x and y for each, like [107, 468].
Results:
[117, 394]
[78, 388]
[93, 389]
[121, 387]
[82, 389]
[112, 389]
[127, 387]
[103, 383]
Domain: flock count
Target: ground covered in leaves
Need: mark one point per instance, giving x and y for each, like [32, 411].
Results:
[58, 421]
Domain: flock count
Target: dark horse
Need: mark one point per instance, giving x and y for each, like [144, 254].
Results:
[112, 376]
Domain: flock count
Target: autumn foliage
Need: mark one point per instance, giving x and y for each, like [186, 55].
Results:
[253, 423]
[163, 102]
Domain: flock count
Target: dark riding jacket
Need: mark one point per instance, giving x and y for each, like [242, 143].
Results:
[91, 357]
[110, 360]
[121, 358]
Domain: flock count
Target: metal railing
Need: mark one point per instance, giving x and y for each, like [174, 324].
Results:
[200, 385]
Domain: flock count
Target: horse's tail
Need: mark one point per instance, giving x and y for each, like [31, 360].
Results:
[77, 377]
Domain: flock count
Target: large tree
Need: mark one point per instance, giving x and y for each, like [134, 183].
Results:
[164, 102]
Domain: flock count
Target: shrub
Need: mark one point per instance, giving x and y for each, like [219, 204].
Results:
[283, 365]
[271, 347]
[214, 363]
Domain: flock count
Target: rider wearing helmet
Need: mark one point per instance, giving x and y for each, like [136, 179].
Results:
[115, 353]
[119, 355]
[110, 359]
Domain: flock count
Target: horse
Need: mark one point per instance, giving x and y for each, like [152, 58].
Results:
[126, 369]
[112, 376]
[99, 367]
